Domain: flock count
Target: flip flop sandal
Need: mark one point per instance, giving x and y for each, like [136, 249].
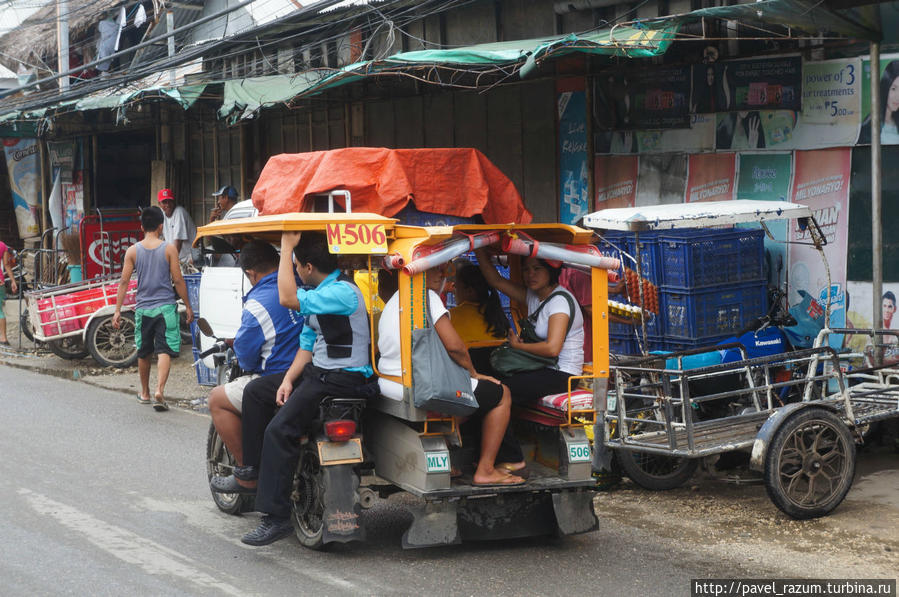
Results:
[160, 407]
[499, 484]
[522, 472]
[143, 400]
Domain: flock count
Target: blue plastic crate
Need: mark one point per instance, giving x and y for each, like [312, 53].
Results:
[678, 345]
[626, 344]
[695, 258]
[205, 375]
[701, 315]
[193, 291]
[655, 326]
[650, 258]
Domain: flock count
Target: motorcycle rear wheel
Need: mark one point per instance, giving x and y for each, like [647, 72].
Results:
[308, 501]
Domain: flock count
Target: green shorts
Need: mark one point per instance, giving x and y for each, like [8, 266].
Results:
[2, 300]
[157, 331]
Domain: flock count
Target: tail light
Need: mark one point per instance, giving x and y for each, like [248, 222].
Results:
[340, 431]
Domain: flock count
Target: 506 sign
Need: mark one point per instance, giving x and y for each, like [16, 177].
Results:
[357, 238]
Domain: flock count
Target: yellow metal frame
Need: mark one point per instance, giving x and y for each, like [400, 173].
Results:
[405, 241]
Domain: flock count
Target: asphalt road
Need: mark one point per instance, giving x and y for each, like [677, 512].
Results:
[103, 496]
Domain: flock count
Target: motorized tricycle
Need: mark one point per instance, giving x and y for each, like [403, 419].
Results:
[395, 446]
[799, 428]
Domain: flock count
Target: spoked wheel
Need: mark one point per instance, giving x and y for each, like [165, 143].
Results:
[219, 461]
[308, 501]
[810, 464]
[656, 472]
[70, 348]
[109, 346]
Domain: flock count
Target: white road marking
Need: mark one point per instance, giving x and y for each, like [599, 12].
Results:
[129, 547]
[207, 519]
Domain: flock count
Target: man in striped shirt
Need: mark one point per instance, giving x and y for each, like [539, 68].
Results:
[265, 343]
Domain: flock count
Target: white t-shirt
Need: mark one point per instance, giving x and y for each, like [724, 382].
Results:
[180, 227]
[571, 358]
[390, 362]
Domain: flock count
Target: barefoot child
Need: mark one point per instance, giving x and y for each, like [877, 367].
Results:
[155, 314]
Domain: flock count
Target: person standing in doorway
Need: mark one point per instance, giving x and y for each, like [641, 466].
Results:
[179, 229]
[156, 327]
[6, 260]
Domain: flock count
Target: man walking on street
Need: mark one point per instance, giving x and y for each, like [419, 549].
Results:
[156, 327]
[333, 360]
[265, 344]
[179, 229]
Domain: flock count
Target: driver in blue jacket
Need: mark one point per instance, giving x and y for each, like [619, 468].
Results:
[265, 343]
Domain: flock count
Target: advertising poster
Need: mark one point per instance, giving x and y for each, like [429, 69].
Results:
[700, 137]
[710, 177]
[821, 181]
[657, 98]
[766, 129]
[767, 177]
[662, 179]
[616, 181]
[889, 72]
[573, 168]
[831, 104]
[24, 182]
[757, 84]
[860, 312]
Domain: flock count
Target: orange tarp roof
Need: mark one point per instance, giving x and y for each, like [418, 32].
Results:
[459, 182]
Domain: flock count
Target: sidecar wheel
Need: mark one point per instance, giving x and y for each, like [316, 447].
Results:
[810, 464]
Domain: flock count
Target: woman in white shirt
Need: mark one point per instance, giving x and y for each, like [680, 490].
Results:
[540, 281]
[493, 398]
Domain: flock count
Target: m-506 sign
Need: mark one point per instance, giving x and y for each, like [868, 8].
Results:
[357, 238]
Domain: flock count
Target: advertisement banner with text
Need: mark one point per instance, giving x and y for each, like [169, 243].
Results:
[24, 183]
[767, 177]
[573, 166]
[657, 98]
[616, 181]
[756, 84]
[710, 177]
[821, 181]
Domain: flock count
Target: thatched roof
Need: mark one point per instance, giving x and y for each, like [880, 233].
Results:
[37, 33]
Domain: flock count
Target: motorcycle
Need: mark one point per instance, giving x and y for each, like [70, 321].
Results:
[326, 497]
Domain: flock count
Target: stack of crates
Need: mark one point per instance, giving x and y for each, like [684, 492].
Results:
[711, 283]
[205, 375]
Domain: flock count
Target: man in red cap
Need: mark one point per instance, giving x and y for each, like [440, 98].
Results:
[179, 228]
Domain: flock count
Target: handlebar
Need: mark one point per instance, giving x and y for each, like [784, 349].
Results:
[219, 346]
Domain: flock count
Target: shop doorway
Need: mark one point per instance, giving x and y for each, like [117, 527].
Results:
[123, 169]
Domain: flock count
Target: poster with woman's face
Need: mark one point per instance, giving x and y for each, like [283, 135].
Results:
[889, 98]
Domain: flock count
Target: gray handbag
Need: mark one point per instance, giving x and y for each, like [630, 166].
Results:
[439, 384]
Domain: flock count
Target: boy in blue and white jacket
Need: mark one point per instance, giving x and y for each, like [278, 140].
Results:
[266, 342]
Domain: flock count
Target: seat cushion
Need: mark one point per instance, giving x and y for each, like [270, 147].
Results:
[580, 400]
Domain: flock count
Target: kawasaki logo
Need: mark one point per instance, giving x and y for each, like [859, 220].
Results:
[768, 342]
